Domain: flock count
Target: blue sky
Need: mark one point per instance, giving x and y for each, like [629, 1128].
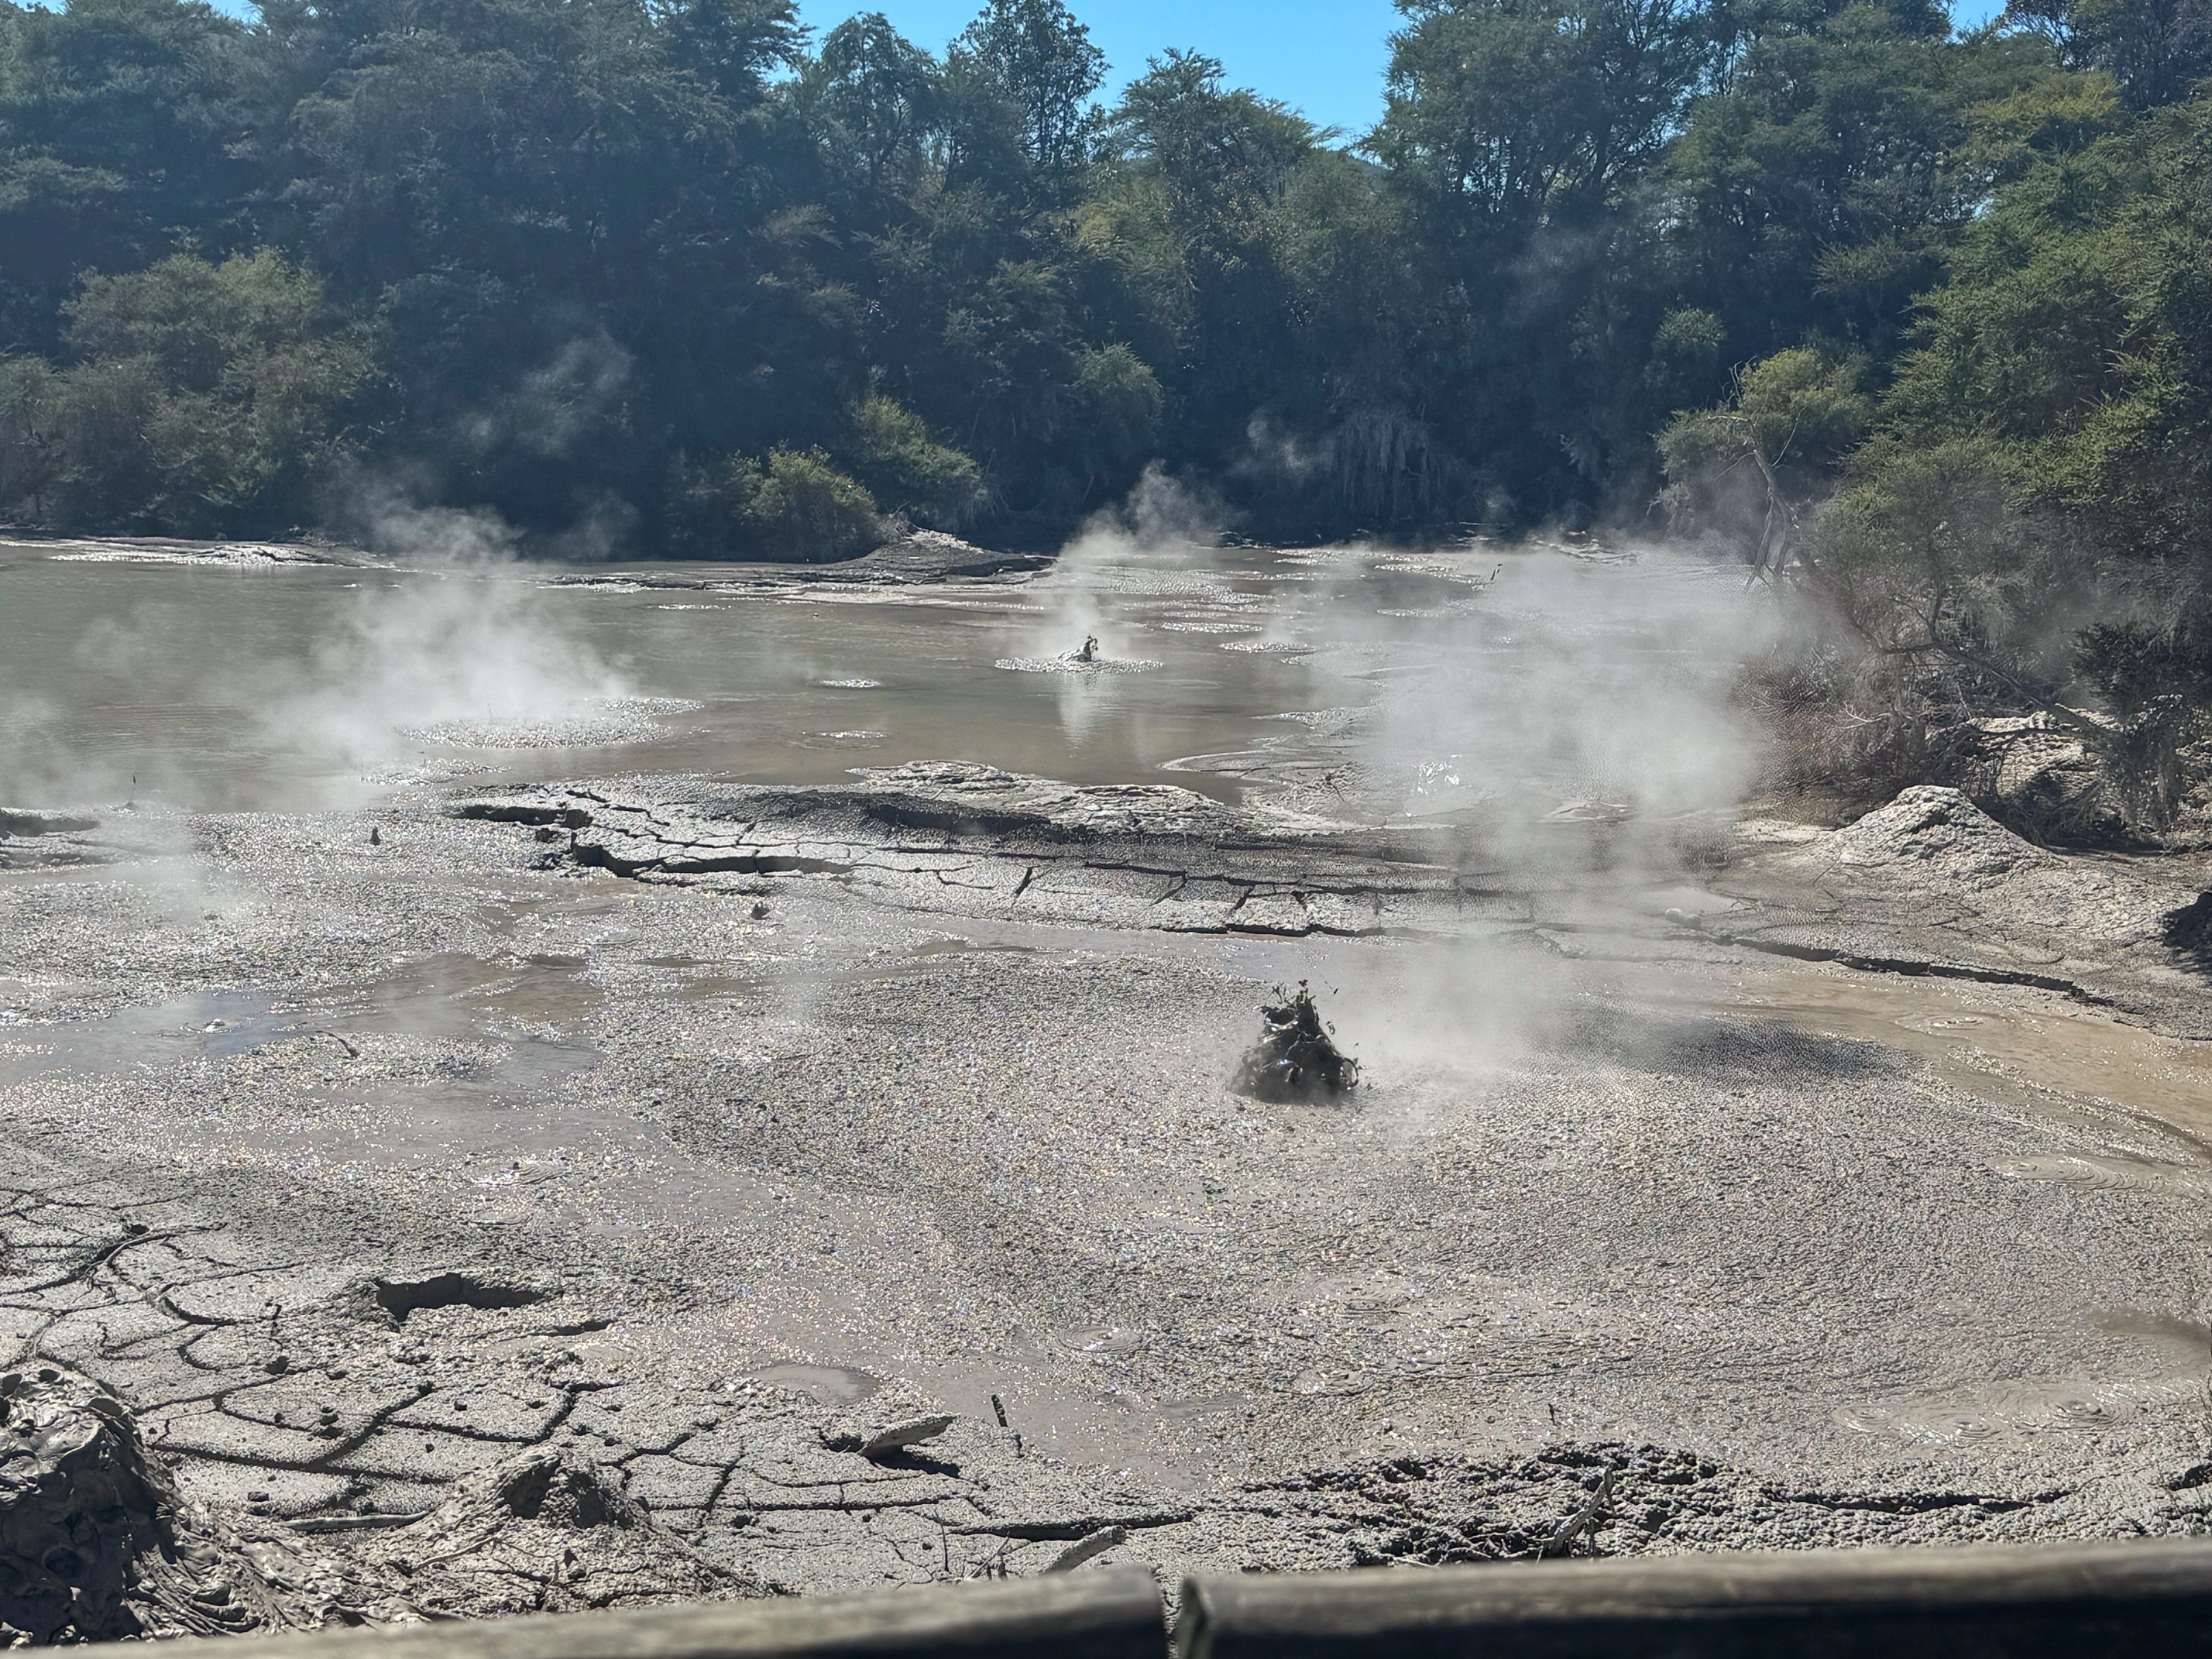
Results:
[1323, 56]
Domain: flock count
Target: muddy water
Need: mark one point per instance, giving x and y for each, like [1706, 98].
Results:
[300, 686]
[506, 1079]
[2019, 1047]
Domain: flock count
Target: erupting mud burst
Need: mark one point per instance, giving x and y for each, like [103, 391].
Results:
[1296, 1057]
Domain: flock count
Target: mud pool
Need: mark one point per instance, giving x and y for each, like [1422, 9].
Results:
[312, 684]
[244, 684]
[774, 1008]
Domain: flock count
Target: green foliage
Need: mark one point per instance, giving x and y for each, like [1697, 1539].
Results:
[122, 123]
[1503, 111]
[875, 99]
[2134, 664]
[794, 505]
[1039, 59]
[535, 254]
[1821, 187]
[32, 458]
[1795, 409]
[2076, 331]
[2042, 460]
[2157, 51]
[1937, 520]
[1749, 468]
[905, 468]
[1217, 150]
[802, 507]
[1118, 407]
[205, 397]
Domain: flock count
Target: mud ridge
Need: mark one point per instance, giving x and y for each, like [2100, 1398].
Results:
[973, 839]
[1913, 967]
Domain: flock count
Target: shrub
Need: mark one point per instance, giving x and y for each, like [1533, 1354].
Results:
[1121, 406]
[909, 471]
[205, 397]
[795, 507]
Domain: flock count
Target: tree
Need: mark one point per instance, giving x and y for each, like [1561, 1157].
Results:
[907, 469]
[1038, 57]
[1817, 194]
[120, 122]
[1768, 454]
[2157, 51]
[1506, 113]
[731, 45]
[1193, 215]
[878, 100]
[207, 398]
[2075, 334]
[587, 242]
[1218, 150]
[793, 506]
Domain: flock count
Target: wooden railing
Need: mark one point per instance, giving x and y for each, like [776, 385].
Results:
[1078, 1615]
[2152, 1598]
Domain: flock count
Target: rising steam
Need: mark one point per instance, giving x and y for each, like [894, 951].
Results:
[468, 649]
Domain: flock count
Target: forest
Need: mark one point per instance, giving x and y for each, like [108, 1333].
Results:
[1917, 320]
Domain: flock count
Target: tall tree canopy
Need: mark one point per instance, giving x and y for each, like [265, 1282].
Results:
[684, 273]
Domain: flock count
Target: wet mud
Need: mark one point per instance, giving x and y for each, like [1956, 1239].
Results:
[586, 1190]
[508, 1137]
[2030, 1049]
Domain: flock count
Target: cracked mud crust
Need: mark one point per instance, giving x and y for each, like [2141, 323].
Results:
[974, 840]
[98, 1542]
[578, 1197]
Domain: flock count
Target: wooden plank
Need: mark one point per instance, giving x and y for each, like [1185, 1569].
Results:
[2153, 1596]
[1110, 1614]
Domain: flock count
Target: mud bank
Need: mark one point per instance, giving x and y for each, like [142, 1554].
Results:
[1930, 885]
[923, 556]
[974, 841]
[664, 1146]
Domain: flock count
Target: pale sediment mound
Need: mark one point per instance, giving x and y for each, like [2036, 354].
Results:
[1934, 842]
[540, 1534]
[173, 550]
[1931, 883]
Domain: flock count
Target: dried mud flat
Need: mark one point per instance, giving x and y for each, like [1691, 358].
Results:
[573, 1197]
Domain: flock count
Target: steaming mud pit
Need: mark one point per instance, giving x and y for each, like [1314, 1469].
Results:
[385, 1113]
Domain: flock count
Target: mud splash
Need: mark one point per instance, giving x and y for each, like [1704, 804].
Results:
[1296, 1057]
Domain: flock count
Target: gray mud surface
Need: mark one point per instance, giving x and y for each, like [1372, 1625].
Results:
[583, 1195]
